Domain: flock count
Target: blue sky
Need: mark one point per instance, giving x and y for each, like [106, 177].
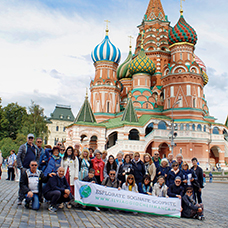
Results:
[45, 46]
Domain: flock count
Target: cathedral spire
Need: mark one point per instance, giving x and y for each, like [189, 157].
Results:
[85, 114]
[129, 114]
[155, 10]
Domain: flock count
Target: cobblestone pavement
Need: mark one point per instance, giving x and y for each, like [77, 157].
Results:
[214, 198]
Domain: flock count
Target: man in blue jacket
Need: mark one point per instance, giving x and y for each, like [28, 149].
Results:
[57, 190]
[27, 152]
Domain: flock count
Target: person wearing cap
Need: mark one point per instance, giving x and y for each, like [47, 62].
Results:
[54, 162]
[98, 166]
[27, 152]
[175, 189]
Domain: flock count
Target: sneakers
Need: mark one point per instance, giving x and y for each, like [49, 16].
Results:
[97, 209]
[68, 205]
[61, 205]
[19, 202]
[201, 217]
[52, 208]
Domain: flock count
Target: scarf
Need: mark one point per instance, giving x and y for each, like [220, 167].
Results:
[55, 157]
[146, 188]
[136, 161]
[175, 171]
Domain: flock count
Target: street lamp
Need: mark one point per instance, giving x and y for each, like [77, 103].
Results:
[173, 134]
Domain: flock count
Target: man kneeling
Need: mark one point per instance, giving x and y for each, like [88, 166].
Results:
[57, 190]
[190, 208]
[31, 185]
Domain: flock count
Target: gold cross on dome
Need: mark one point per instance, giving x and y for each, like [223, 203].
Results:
[131, 37]
[181, 6]
[107, 21]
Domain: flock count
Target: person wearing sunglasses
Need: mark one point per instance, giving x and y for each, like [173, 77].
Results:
[111, 180]
[139, 168]
[130, 184]
[176, 190]
[145, 187]
[173, 173]
[31, 185]
[27, 152]
[190, 208]
[156, 159]
[62, 151]
[189, 176]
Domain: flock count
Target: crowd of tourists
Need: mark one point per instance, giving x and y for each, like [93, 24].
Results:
[49, 174]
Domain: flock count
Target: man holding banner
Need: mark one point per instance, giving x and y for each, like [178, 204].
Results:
[89, 194]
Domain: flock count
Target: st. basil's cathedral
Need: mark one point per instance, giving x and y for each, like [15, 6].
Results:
[154, 100]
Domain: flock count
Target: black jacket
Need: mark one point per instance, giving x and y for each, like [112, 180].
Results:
[171, 177]
[87, 179]
[126, 168]
[24, 182]
[199, 174]
[174, 190]
[139, 171]
[188, 205]
[56, 183]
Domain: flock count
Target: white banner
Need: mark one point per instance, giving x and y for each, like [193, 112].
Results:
[90, 194]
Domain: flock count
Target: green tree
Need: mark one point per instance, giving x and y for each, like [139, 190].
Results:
[14, 114]
[3, 122]
[21, 139]
[6, 145]
[35, 122]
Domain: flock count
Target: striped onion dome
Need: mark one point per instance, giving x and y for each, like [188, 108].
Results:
[200, 63]
[123, 70]
[106, 51]
[182, 32]
[142, 64]
[204, 70]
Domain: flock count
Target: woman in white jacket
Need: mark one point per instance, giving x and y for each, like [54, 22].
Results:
[71, 167]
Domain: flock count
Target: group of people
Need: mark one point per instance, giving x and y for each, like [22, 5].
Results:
[49, 174]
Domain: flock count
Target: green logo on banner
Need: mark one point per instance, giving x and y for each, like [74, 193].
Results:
[85, 191]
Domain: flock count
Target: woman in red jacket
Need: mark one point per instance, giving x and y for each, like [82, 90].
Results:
[98, 166]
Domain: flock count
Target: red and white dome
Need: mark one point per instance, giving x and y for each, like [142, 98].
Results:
[200, 63]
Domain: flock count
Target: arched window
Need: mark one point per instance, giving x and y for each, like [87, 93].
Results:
[108, 107]
[187, 127]
[193, 127]
[204, 128]
[215, 131]
[149, 128]
[133, 134]
[57, 128]
[194, 102]
[162, 125]
[224, 132]
[199, 127]
[181, 127]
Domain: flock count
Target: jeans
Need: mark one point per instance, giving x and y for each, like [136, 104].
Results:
[35, 201]
[11, 173]
[56, 197]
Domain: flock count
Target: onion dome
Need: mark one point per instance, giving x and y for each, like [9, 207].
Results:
[205, 78]
[204, 70]
[182, 32]
[123, 70]
[200, 63]
[106, 51]
[142, 64]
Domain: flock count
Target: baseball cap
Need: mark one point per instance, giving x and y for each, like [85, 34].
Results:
[30, 135]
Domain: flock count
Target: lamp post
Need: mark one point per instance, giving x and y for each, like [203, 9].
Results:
[172, 127]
